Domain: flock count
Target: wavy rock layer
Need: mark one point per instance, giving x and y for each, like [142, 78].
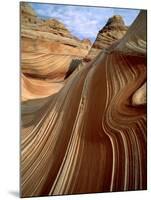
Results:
[90, 136]
[48, 51]
[114, 30]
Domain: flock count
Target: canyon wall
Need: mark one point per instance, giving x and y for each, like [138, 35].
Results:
[90, 136]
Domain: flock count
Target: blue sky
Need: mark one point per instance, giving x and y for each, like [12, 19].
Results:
[82, 21]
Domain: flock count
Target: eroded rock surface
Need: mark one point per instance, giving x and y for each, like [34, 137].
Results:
[90, 136]
[112, 32]
[49, 52]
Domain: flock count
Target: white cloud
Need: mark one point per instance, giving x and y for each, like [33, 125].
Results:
[83, 22]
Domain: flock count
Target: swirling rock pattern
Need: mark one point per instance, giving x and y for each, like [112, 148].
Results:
[49, 53]
[91, 135]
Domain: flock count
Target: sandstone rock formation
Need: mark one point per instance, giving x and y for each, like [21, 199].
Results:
[48, 52]
[114, 30]
[91, 135]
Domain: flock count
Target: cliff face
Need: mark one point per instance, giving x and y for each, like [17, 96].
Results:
[114, 30]
[45, 38]
[49, 52]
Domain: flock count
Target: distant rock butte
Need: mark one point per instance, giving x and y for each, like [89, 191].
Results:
[114, 30]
